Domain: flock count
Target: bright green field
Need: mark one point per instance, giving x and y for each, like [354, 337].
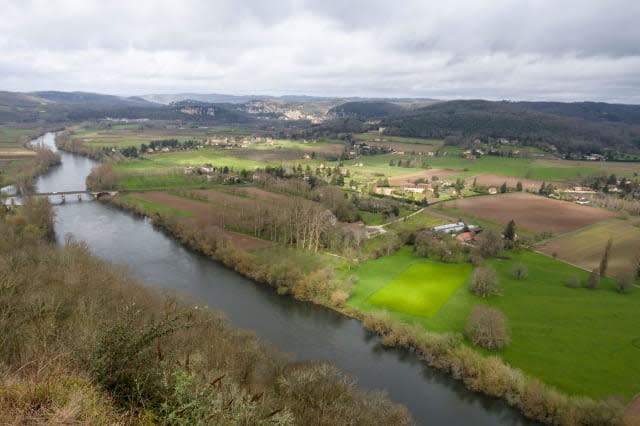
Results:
[217, 157]
[422, 289]
[582, 341]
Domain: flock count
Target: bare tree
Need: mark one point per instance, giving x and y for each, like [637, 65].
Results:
[487, 327]
[484, 282]
[593, 282]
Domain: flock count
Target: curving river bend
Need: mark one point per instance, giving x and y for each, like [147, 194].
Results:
[307, 331]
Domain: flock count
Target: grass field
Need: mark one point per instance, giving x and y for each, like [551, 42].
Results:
[422, 289]
[152, 207]
[585, 246]
[11, 137]
[579, 340]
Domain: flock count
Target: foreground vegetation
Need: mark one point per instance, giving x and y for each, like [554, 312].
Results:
[81, 342]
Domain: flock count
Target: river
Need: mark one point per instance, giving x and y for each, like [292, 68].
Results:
[307, 331]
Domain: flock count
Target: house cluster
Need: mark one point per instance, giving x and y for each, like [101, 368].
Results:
[594, 157]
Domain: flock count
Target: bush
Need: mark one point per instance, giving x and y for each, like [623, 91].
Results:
[487, 327]
[593, 282]
[520, 271]
[484, 282]
[624, 282]
[573, 281]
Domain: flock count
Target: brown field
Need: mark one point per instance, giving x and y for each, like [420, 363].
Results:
[584, 247]
[219, 210]
[16, 153]
[496, 180]
[632, 412]
[427, 174]
[530, 211]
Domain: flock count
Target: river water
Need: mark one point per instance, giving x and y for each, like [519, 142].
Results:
[307, 331]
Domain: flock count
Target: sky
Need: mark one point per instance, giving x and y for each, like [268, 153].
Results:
[561, 50]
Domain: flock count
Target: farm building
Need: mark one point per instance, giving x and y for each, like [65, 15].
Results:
[453, 228]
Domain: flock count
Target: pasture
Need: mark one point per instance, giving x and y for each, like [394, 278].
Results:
[585, 247]
[579, 340]
[123, 136]
[533, 212]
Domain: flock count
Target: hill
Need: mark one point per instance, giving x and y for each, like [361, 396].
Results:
[590, 111]
[366, 110]
[91, 99]
[484, 119]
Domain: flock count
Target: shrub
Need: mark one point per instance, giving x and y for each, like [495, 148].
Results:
[624, 282]
[519, 271]
[487, 327]
[484, 282]
[593, 282]
[573, 281]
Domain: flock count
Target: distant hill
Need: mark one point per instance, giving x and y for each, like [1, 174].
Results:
[91, 98]
[484, 119]
[590, 111]
[366, 110]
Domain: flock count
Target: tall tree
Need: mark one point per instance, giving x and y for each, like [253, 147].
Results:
[604, 262]
[510, 231]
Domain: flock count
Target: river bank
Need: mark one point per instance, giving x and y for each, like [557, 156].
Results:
[447, 352]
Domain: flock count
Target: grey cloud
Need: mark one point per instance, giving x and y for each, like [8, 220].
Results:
[500, 49]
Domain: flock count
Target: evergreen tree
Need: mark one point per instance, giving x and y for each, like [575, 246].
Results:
[510, 231]
[604, 262]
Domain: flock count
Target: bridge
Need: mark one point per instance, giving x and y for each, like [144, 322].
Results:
[62, 195]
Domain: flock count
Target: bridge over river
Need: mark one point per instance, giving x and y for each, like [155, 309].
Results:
[60, 197]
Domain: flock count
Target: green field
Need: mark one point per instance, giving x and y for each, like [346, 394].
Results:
[151, 207]
[579, 340]
[180, 159]
[421, 289]
[11, 137]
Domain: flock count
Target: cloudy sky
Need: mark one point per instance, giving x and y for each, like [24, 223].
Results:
[537, 50]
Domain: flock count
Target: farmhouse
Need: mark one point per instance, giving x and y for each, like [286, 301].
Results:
[454, 228]
[466, 237]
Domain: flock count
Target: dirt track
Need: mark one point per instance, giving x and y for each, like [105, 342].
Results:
[530, 211]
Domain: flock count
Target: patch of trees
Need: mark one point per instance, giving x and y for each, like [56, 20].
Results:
[24, 178]
[102, 177]
[443, 248]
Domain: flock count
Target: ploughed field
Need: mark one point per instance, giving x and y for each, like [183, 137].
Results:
[585, 247]
[530, 211]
